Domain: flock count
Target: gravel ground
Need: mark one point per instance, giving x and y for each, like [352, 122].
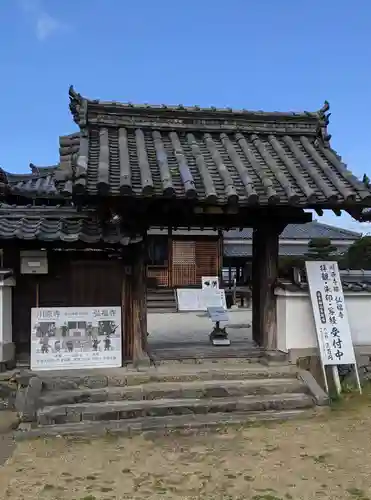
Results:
[324, 457]
[190, 327]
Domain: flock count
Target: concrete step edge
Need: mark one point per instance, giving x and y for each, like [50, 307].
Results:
[127, 405]
[142, 378]
[180, 389]
[154, 424]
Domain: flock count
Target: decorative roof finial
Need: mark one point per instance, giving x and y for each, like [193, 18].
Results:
[325, 108]
[34, 168]
[77, 106]
[4, 183]
[324, 120]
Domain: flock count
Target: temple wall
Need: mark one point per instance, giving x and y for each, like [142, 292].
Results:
[296, 333]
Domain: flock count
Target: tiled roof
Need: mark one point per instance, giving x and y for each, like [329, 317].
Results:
[239, 250]
[39, 182]
[213, 155]
[351, 280]
[306, 231]
[57, 223]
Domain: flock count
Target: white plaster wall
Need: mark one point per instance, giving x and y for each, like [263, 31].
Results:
[6, 340]
[295, 322]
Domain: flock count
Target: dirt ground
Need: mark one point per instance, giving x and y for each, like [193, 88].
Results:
[326, 457]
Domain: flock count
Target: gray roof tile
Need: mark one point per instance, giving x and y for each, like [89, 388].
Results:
[65, 224]
[307, 231]
[213, 155]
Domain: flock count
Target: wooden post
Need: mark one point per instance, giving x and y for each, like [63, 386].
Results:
[170, 258]
[139, 306]
[124, 346]
[264, 277]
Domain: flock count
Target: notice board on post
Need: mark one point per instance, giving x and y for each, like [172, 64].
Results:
[199, 299]
[330, 315]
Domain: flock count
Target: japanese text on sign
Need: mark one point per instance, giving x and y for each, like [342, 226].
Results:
[329, 310]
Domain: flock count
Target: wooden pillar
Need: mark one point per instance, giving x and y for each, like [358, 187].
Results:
[220, 257]
[264, 277]
[170, 258]
[136, 307]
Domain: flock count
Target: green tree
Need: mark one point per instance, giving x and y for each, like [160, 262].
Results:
[358, 255]
[321, 249]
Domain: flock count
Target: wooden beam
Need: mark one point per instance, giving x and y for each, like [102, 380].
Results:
[136, 316]
[264, 277]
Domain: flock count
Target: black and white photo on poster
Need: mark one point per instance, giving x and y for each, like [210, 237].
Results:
[71, 338]
[210, 282]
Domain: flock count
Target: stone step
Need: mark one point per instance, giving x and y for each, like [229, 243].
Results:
[160, 291]
[163, 302]
[174, 390]
[118, 410]
[161, 297]
[206, 351]
[154, 424]
[173, 372]
[162, 309]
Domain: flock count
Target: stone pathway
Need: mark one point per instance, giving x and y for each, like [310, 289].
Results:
[194, 327]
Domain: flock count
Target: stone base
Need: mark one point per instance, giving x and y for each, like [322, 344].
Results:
[7, 352]
[218, 333]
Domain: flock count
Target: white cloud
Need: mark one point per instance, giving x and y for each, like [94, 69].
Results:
[45, 25]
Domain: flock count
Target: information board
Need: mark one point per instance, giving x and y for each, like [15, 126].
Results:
[75, 337]
[213, 298]
[198, 299]
[330, 314]
[189, 299]
[218, 314]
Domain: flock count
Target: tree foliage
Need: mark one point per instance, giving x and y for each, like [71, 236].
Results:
[358, 255]
[321, 249]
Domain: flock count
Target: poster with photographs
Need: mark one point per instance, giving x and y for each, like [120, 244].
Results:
[211, 282]
[75, 337]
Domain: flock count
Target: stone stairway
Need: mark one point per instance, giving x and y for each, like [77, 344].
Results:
[161, 300]
[174, 395]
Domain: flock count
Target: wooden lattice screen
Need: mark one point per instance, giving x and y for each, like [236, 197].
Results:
[184, 263]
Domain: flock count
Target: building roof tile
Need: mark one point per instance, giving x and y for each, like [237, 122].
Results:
[47, 224]
[212, 155]
[306, 231]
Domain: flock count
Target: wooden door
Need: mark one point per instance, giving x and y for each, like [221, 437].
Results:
[96, 283]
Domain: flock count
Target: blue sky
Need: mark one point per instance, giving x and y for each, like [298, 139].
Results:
[266, 54]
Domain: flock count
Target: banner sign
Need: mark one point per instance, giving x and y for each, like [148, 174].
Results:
[75, 337]
[330, 314]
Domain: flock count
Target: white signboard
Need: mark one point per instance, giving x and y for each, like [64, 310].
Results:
[213, 298]
[210, 282]
[188, 299]
[330, 314]
[75, 337]
[196, 299]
